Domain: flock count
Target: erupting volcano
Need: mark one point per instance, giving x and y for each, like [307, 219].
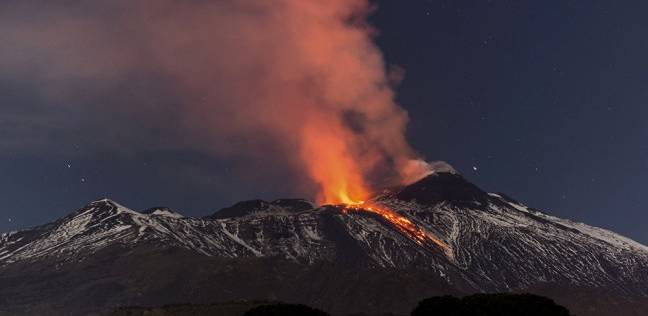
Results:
[342, 182]
[337, 159]
[336, 164]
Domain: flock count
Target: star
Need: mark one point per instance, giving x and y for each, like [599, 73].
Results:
[474, 168]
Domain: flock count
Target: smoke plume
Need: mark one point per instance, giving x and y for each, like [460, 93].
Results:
[296, 82]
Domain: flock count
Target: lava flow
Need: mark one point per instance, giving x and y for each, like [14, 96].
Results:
[401, 222]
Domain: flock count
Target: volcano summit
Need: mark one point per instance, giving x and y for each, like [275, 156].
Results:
[343, 260]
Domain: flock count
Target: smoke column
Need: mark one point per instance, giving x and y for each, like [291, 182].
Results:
[297, 81]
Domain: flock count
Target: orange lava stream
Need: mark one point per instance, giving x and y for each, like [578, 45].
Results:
[401, 222]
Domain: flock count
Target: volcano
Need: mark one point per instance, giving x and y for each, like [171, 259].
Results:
[106, 255]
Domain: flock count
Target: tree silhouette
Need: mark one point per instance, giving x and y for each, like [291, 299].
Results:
[440, 305]
[490, 305]
[284, 310]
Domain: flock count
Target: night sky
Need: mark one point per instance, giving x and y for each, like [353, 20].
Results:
[542, 100]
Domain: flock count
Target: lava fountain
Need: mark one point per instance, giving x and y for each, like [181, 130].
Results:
[333, 164]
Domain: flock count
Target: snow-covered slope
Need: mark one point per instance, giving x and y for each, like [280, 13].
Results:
[494, 243]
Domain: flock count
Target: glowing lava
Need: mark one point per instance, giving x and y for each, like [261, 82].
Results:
[331, 161]
[401, 222]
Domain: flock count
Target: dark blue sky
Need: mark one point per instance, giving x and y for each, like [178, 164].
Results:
[542, 100]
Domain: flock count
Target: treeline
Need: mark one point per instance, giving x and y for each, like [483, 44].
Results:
[490, 305]
[478, 304]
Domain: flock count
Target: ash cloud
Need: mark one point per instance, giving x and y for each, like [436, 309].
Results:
[236, 79]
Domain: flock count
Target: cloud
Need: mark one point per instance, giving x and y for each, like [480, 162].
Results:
[296, 84]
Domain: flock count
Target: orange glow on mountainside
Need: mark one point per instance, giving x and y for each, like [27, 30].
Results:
[401, 222]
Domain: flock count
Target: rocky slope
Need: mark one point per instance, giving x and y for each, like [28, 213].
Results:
[106, 255]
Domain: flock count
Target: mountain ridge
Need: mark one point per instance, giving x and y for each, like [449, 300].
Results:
[495, 244]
